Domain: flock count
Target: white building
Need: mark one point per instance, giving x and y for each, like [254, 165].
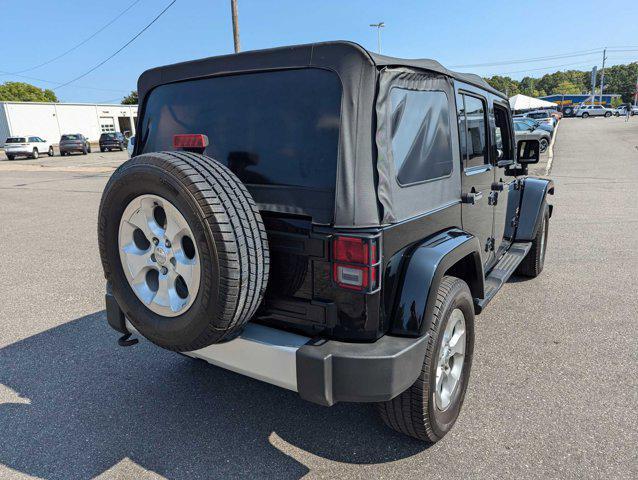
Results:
[52, 120]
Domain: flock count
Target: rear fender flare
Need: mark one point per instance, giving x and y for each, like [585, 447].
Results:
[423, 267]
[535, 191]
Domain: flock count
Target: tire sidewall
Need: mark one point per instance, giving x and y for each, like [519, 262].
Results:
[461, 298]
[169, 332]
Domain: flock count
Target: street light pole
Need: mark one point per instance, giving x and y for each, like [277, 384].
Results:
[602, 75]
[378, 26]
[233, 10]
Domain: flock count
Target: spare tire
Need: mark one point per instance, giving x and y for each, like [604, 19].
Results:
[183, 247]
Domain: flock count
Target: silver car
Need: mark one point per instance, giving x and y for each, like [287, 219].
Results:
[585, 111]
[522, 131]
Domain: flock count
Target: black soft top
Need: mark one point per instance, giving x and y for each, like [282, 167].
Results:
[311, 54]
[365, 194]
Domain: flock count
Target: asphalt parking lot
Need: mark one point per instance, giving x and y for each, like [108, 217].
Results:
[553, 391]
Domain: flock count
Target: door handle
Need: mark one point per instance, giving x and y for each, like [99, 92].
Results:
[472, 198]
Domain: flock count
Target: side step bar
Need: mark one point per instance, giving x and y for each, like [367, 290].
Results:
[502, 272]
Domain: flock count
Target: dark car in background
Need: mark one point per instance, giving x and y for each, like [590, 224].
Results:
[74, 142]
[112, 140]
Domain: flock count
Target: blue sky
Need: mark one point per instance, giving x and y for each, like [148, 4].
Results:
[453, 32]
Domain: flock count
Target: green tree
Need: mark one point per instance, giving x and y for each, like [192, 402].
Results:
[616, 102]
[130, 99]
[25, 92]
[622, 79]
[567, 88]
[506, 85]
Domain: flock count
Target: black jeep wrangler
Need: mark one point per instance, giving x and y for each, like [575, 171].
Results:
[324, 219]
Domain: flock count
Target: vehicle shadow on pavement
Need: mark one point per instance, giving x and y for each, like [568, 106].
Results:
[83, 404]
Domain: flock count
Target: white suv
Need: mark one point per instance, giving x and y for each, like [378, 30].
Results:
[585, 111]
[622, 111]
[27, 146]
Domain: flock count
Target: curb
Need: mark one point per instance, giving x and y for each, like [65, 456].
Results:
[550, 160]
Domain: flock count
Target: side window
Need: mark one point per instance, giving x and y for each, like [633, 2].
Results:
[420, 131]
[472, 130]
[32, 139]
[502, 133]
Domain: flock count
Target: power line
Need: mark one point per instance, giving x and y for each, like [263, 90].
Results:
[531, 60]
[58, 83]
[75, 47]
[118, 50]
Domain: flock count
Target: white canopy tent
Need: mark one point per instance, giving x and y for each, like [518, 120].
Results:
[523, 102]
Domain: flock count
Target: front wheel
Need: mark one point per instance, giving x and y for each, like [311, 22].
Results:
[10, 157]
[429, 408]
[608, 114]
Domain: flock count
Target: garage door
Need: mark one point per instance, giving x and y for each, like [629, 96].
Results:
[107, 124]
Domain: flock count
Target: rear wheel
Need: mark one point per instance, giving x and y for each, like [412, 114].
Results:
[184, 248]
[429, 408]
[10, 157]
[50, 152]
[102, 149]
[84, 150]
[532, 265]
[35, 154]
[585, 115]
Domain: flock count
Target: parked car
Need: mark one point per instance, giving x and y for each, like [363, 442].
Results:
[130, 146]
[74, 142]
[585, 111]
[28, 146]
[622, 110]
[338, 234]
[536, 124]
[543, 116]
[112, 140]
[524, 131]
[557, 114]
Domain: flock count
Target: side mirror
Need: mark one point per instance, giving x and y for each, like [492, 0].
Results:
[528, 151]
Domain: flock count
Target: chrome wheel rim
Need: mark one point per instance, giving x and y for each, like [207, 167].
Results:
[159, 255]
[451, 359]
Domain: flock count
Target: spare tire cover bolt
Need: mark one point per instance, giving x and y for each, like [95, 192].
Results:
[155, 241]
[164, 270]
[167, 243]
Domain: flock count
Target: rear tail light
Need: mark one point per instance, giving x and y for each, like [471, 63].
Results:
[356, 263]
[190, 141]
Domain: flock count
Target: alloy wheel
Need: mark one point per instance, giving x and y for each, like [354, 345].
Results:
[159, 255]
[449, 366]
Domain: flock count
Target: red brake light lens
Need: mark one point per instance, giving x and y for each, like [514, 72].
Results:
[351, 250]
[355, 263]
[191, 140]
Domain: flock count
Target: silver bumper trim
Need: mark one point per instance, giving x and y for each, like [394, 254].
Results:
[260, 352]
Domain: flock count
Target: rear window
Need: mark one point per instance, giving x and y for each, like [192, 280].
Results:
[70, 137]
[16, 140]
[269, 128]
[107, 136]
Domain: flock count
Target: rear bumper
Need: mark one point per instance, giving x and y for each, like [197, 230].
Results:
[321, 371]
[71, 148]
[18, 151]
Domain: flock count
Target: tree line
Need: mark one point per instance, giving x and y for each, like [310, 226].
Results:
[618, 79]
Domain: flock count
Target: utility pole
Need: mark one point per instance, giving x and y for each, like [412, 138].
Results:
[636, 94]
[602, 75]
[233, 10]
[378, 26]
